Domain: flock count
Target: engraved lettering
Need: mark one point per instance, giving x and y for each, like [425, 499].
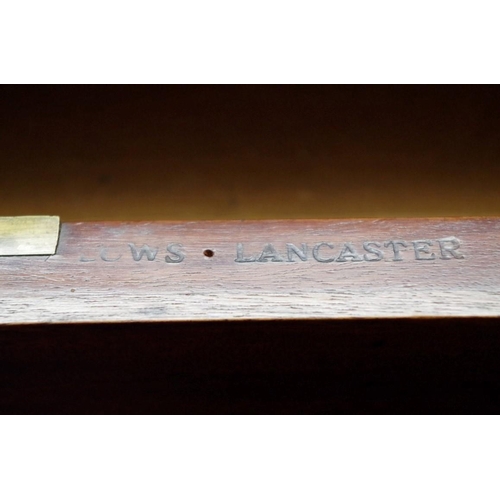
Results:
[105, 257]
[449, 247]
[137, 254]
[368, 246]
[240, 254]
[422, 247]
[291, 249]
[322, 252]
[395, 248]
[269, 252]
[175, 250]
[348, 253]
[316, 255]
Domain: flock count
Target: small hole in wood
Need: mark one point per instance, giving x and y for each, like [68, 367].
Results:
[208, 253]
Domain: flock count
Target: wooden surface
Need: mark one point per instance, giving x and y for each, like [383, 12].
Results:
[339, 269]
[132, 153]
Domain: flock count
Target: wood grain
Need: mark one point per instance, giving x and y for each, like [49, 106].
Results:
[303, 269]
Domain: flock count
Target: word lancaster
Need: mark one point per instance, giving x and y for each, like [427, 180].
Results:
[371, 251]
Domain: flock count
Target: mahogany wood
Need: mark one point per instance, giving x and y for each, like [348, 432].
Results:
[309, 269]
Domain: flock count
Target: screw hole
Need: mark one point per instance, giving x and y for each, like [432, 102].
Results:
[208, 253]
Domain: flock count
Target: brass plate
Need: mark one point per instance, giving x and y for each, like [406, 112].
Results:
[29, 235]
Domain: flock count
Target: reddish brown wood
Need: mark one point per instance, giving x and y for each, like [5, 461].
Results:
[319, 269]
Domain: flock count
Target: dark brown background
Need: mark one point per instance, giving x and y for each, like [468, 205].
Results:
[398, 366]
[224, 152]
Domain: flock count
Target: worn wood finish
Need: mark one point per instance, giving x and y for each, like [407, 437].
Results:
[317, 269]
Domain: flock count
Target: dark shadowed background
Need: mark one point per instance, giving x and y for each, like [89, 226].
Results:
[220, 152]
